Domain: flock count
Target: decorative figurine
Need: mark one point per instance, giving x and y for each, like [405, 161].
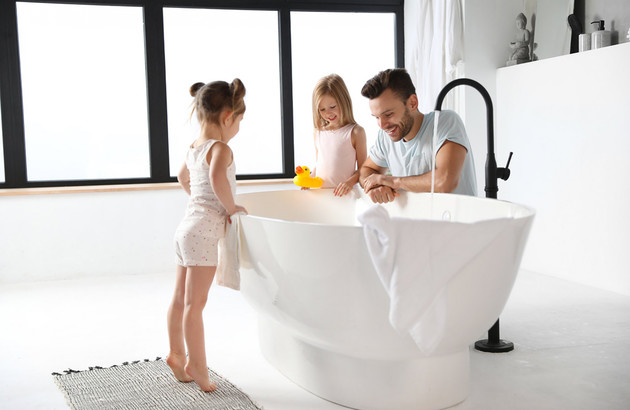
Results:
[521, 53]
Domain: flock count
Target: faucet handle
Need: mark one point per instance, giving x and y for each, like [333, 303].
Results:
[504, 173]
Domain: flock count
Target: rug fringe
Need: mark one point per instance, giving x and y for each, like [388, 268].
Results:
[90, 368]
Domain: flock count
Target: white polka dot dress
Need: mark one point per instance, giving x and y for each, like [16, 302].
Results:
[198, 234]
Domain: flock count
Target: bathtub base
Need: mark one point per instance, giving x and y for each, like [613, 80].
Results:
[367, 384]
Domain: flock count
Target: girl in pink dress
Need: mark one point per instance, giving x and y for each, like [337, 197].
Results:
[340, 143]
[208, 177]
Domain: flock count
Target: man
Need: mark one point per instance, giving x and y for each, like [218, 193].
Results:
[405, 143]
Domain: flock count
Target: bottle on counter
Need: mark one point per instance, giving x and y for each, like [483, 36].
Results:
[600, 37]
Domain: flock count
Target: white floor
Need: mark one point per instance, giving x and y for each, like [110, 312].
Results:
[572, 343]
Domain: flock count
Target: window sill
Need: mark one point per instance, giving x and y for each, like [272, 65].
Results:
[122, 188]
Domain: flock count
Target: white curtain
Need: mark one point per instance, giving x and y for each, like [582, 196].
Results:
[436, 46]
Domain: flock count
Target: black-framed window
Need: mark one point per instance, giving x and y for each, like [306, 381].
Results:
[207, 44]
[1, 150]
[88, 100]
[84, 96]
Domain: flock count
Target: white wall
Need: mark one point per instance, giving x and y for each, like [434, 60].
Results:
[567, 119]
[65, 236]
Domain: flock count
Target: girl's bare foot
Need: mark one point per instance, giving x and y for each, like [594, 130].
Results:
[176, 363]
[200, 376]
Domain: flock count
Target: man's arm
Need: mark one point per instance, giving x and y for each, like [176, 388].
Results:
[367, 169]
[370, 172]
[449, 164]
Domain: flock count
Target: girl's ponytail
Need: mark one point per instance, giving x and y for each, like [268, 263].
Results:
[195, 88]
[238, 94]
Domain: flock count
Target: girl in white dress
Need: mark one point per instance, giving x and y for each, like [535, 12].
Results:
[208, 177]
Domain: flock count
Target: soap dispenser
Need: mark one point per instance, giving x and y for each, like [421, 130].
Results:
[600, 38]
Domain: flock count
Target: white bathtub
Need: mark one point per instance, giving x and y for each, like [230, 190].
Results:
[323, 312]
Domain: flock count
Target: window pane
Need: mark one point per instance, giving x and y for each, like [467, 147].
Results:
[84, 90]
[204, 45]
[354, 45]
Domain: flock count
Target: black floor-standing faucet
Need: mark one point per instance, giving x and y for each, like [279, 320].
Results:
[493, 343]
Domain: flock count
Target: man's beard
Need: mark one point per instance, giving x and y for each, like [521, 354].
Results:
[405, 125]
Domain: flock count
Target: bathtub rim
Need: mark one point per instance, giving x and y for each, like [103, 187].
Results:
[525, 211]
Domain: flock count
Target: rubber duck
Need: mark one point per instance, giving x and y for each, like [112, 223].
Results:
[304, 179]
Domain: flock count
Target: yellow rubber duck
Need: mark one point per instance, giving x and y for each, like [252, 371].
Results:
[304, 179]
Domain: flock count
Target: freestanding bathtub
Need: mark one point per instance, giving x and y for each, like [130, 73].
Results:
[323, 312]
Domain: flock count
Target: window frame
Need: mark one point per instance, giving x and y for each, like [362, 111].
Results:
[11, 90]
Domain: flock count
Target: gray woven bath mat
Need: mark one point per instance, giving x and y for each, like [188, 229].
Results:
[147, 384]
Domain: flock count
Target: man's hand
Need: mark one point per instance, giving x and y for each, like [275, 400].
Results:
[371, 182]
[376, 180]
[382, 194]
[377, 186]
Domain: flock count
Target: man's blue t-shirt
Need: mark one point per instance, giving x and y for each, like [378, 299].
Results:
[414, 157]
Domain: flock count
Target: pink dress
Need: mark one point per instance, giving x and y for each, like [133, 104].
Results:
[336, 157]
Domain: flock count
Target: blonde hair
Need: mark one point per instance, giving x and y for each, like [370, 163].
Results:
[334, 86]
[213, 98]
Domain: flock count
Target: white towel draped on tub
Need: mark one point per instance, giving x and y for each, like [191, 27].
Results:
[415, 259]
[229, 255]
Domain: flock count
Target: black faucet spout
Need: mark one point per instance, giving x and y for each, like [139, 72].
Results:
[492, 172]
